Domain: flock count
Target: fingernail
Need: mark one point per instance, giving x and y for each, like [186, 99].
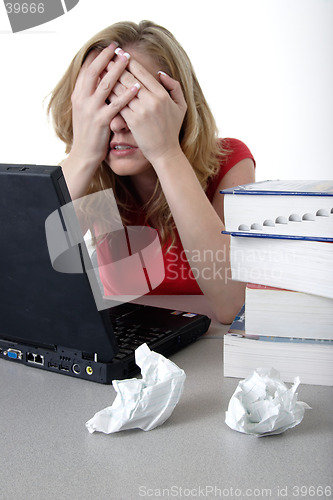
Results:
[162, 73]
[120, 52]
[136, 86]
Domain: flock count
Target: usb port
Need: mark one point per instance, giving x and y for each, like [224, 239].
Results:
[64, 368]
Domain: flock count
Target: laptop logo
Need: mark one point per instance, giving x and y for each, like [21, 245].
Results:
[121, 263]
[25, 14]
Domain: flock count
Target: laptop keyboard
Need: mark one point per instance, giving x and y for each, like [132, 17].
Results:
[130, 336]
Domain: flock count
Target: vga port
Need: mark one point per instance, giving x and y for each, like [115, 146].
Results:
[13, 353]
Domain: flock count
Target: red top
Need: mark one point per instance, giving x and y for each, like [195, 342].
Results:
[179, 277]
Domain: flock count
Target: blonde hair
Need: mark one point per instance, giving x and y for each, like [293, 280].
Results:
[198, 135]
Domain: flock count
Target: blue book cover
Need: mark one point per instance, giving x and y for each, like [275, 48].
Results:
[284, 187]
[245, 234]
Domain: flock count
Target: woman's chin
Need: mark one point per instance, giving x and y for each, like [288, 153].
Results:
[127, 166]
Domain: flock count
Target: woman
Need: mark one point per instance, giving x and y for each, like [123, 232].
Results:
[134, 119]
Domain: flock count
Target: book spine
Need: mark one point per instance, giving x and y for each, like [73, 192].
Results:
[283, 263]
[285, 313]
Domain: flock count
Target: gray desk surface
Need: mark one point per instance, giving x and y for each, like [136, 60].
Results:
[47, 453]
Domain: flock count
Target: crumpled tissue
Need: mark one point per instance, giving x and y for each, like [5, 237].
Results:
[263, 405]
[142, 403]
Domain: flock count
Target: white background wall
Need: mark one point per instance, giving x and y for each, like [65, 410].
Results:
[266, 67]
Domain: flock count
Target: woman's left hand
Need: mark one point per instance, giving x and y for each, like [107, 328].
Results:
[156, 114]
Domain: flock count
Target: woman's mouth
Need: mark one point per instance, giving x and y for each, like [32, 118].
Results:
[122, 149]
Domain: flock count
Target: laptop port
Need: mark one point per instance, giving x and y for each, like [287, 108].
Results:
[76, 369]
[89, 370]
[13, 353]
[39, 360]
[36, 359]
[64, 368]
[52, 364]
[88, 356]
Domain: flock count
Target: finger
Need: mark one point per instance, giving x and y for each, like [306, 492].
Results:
[93, 69]
[109, 78]
[89, 59]
[127, 79]
[174, 89]
[118, 102]
[120, 55]
[142, 75]
[119, 89]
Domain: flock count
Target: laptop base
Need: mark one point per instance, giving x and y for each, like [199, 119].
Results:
[78, 364]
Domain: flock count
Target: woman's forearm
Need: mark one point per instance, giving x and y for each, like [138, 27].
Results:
[199, 228]
[78, 174]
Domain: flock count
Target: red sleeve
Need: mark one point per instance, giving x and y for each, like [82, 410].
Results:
[237, 151]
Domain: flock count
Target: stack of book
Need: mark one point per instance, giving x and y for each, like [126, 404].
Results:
[281, 246]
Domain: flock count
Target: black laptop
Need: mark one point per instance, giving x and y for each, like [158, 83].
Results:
[49, 319]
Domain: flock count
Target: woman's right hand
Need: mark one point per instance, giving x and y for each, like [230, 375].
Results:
[91, 115]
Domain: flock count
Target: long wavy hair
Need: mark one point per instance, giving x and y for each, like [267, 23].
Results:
[198, 135]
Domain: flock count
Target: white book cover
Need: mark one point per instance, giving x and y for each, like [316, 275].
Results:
[300, 208]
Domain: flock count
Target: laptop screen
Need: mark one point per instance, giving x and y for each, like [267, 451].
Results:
[39, 305]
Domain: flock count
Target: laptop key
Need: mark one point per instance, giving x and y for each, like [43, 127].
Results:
[126, 350]
[121, 355]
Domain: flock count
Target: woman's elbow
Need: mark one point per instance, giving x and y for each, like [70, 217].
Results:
[225, 317]
[226, 311]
